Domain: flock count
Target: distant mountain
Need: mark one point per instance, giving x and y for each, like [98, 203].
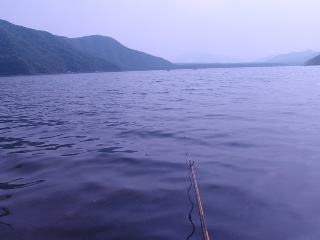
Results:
[196, 57]
[113, 51]
[294, 58]
[196, 66]
[28, 51]
[313, 61]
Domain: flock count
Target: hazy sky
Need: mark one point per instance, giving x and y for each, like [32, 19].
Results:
[245, 29]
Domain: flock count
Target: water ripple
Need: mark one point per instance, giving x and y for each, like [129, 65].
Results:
[110, 148]
[11, 185]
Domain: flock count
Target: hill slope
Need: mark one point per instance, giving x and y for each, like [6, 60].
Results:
[28, 51]
[294, 58]
[113, 51]
[314, 61]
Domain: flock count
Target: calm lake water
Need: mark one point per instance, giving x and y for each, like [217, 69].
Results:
[102, 156]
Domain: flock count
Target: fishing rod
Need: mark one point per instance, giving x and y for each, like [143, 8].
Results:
[196, 189]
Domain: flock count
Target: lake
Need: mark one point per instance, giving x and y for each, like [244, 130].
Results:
[103, 155]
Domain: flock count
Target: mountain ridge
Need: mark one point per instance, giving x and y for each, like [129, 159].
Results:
[28, 51]
[25, 51]
[292, 58]
[313, 61]
[112, 50]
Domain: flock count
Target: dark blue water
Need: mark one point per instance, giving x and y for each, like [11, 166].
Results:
[102, 156]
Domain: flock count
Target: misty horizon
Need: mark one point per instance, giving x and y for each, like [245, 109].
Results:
[205, 57]
[243, 30]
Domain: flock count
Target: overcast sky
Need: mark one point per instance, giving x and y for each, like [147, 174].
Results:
[243, 29]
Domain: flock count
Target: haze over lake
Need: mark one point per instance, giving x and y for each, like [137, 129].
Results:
[102, 155]
[239, 29]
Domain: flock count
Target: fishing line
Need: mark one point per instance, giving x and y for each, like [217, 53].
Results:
[200, 210]
[192, 204]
